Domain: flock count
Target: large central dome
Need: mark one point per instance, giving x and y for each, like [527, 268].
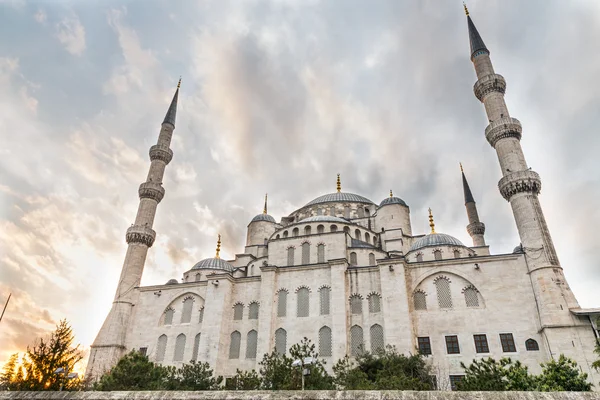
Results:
[339, 197]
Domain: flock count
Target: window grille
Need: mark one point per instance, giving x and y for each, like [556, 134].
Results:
[356, 340]
[295, 232]
[353, 260]
[305, 253]
[325, 341]
[280, 340]
[437, 254]
[424, 345]
[531, 345]
[371, 259]
[251, 342]
[454, 379]
[234, 345]
[332, 211]
[303, 305]
[357, 235]
[196, 347]
[161, 348]
[361, 212]
[347, 212]
[333, 228]
[321, 253]
[198, 277]
[282, 303]
[481, 344]
[420, 299]
[456, 254]
[186, 314]
[367, 237]
[420, 257]
[290, 256]
[179, 347]
[143, 351]
[471, 297]
[307, 230]
[169, 316]
[374, 303]
[355, 304]
[508, 343]
[324, 294]
[444, 297]
[452, 346]
[238, 312]
[253, 311]
[377, 344]
[200, 315]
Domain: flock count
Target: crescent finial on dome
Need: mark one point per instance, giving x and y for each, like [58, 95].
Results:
[431, 223]
[218, 247]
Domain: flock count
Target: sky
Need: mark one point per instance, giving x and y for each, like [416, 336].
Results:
[278, 97]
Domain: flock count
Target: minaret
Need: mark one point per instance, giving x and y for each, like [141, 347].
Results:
[110, 344]
[520, 186]
[475, 228]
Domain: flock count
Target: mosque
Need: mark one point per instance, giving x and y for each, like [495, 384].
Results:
[350, 274]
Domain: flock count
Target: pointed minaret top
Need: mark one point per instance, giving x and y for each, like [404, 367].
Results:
[265, 209]
[431, 223]
[466, 9]
[391, 194]
[171, 113]
[339, 183]
[218, 247]
[474, 37]
[466, 188]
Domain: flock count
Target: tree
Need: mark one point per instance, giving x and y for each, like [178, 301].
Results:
[490, 375]
[276, 371]
[596, 364]
[194, 376]
[244, 380]
[348, 376]
[134, 372]
[562, 375]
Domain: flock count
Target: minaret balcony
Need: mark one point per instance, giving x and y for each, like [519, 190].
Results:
[526, 181]
[161, 152]
[476, 228]
[505, 127]
[489, 84]
[151, 190]
[140, 234]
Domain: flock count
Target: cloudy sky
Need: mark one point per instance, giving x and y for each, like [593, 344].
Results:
[277, 97]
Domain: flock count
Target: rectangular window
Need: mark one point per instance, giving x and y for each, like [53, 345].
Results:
[143, 350]
[481, 344]
[508, 343]
[454, 379]
[424, 345]
[452, 345]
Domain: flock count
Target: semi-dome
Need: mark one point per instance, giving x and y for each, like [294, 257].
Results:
[325, 218]
[518, 249]
[339, 197]
[436, 239]
[393, 200]
[214, 263]
[172, 282]
[263, 217]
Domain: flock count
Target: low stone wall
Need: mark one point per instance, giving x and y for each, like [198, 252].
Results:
[294, 394]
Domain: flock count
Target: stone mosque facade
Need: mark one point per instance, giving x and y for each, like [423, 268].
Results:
[351, 275]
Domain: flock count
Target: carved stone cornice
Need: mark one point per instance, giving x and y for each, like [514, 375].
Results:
[476, 228]
[489, 84]
[163, 153]
[527, 181]
[151, 190]
[501, 128]
[140, 234]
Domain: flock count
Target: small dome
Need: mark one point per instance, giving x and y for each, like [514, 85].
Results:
[325, 218]
[263, 217]
[518, 249]
[436, 239]
[214, 263]
[339, 197]
[172, 282]
[393, 200]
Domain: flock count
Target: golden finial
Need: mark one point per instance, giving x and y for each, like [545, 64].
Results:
[391, 194]
[339, 183]
[431, 223]
[265, 209]
[466, 9]
[179, 83]
[461, 169]
[218, 246]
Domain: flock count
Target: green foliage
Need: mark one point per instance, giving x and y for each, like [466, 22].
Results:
[562, 375]
[596, 364]
[39, 363]
[276, 371]
[194, 376]
[244, 380]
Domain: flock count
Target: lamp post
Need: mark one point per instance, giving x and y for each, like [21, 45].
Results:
[301, 363]
[66, 375]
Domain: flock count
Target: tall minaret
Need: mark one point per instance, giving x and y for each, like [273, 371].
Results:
[110, 343]
[520, 186]
[475, 228]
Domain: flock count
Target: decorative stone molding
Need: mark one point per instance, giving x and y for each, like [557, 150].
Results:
[374, 293]
[324, 286]
[502, 128]
[489, 84]
[140, 234]
[469, 287]
[159, 152]
[476, 228]
[151, 190]
[527, 181]
[302, 287]
[441, 277]
[356, 295]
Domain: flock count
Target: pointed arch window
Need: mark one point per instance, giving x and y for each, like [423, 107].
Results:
[357, 234]
[290, 256]
[372, 259]
[437, 254]
[419, 257]
[179, 347]
[305, 253]
[161, 348]
[353, 259]
[307, 230]
[356, 341]
[280, 341]
[333, 228]
[374, 303]
[200, 315]
[444, 296]
[282, 303]
[303, 303]
[198, 277]
[420, 300]
[169, 313]
[325, 341]
[234, 345]
[355, 304]
[367, 237]
[196, 347]
[471, 297]
[253, 310]
[295, 232]
[186, 314]
[320, 229]
[285, 234]
[324, 296]
[251, 343]
[238, 312]
[456, 253]
[347, 230]
[321, 253]
[377, 344]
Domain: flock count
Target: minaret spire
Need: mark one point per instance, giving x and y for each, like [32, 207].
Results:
[217, 255]
[431, 223]
[265, 209]
[172, 111]
[475, 228]
[339, 184]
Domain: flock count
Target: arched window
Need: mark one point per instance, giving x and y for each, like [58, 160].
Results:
[295, 232]
[437, 254]
[196, 347]
[290, 256]
[280, 340]
[420, 300]
[347, 212]
[357, 234]
[186, 314]
[377, 344]
[332, 211]
[353, 260]
[374, 303]
[419, 257]
[333, 228]
[319, 211]
[251, 342]
[325, 341]
[355, 304]
[307, 230]
[169, 316]
[161, 348]
[371, 259]
[367, 237]
[324, 294]
[456, 253]
[531, 345]
[305, 253]
[277, 237]
[253, 310]
[375, 241]
[347, 230]
[361, 212]
[285, 234]
[179, 347]
[238, 312]
[321, 253]
[234, 345]
[367, 212]
[442, 287]
[201, 315]
[282, 303]
[471, 297]
[356, 340]
[320, 229]
[303, 305]
[198, 277]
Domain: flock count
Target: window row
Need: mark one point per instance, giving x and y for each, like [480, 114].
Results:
[354, 259]
[179, 350]
[238, 311]
[303, 302]
[306, 254]
[437, 254]
[507, 342]
[235, 344]
[444, 295]
[186, 313]
[366, 237]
